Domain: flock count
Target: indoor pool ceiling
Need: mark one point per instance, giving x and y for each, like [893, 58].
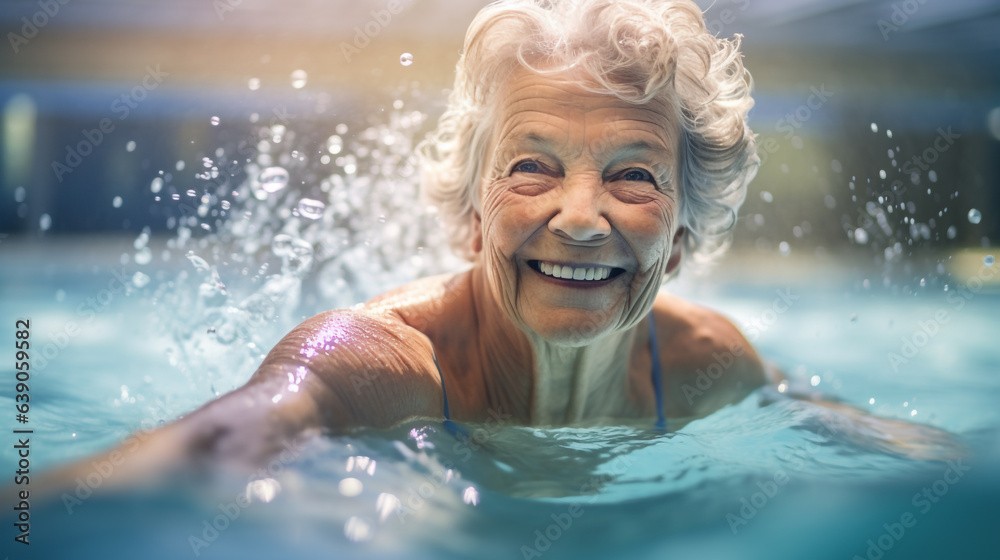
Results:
[940, 25]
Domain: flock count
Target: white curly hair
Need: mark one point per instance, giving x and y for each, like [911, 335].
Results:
[637, 50]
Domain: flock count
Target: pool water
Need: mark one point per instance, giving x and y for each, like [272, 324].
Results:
[770, 477]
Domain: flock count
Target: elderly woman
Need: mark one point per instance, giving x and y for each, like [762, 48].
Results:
[589, 149]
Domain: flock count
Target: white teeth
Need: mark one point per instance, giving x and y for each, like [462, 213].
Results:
[578, 274]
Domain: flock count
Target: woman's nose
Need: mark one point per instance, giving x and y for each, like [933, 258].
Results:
[580, 216]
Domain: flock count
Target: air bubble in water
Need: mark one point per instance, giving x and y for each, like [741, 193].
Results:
[988, 260]
[180, 165]
[116, 202]
[766, 196]
[273, 179]
[130, 146]
[861, 236]
[214, 121]
[406, 59]
[299, 79]
[975, 216]
[311, 209]
[952, 232]
[45, 222]
[254, 84]
[874, 127]
[156, 185]
[783, 248]
[139, 279]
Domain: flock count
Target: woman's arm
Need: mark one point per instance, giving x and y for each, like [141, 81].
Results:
[336, 371]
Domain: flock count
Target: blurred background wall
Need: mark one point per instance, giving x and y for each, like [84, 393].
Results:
[878, 121]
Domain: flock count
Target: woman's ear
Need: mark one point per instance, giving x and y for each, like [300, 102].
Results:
[477, 233]
[676, 251]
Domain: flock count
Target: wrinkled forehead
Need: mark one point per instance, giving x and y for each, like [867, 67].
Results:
[554, 108]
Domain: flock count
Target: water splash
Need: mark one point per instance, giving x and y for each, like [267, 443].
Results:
[276, 235]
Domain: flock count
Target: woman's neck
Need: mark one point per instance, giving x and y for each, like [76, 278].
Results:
[543, 382]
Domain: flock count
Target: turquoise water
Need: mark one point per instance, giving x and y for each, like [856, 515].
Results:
[767, 478]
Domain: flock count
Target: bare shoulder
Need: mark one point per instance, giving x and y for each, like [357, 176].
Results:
[707, 361]
[363, 368]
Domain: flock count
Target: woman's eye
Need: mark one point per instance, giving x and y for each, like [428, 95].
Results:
[527, 167]
[638, 175]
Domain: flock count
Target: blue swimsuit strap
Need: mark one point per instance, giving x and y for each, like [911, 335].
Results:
[453, 428]
[661, 421]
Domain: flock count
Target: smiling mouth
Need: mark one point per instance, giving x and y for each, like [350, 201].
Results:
[576, 274]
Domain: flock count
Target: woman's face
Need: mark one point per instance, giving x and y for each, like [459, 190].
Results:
[579, 208]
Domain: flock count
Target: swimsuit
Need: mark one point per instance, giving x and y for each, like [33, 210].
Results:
[661, 421]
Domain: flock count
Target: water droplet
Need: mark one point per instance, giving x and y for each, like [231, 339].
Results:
[334, 144]
[130, 146]
[282, 244]
[156, 185]
[311, 209]
[45, 222]
[861, 236]
[199, 263]
[874, 127]
[254, 84]
[139, 279]
[952, 232]
[975, 216]
[766, 196]
[881, 173]
[273, 179]
[116, 202]
[988, 260]
[783, 248]
[214, 121]
[143, 256]
[180, 165]
[341, 128]
[357, 529]
[350, 487]
[406, 59]
[299, 79]
[814, 380]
